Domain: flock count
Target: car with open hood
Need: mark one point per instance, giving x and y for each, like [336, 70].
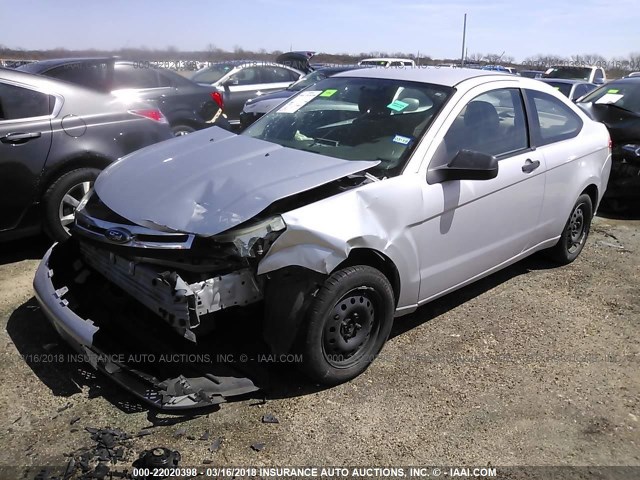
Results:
[617, 105]
[354, 202]
[239, 80]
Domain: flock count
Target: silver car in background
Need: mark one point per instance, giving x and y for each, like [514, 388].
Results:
[357, 200]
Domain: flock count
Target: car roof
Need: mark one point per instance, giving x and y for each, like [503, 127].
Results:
[50, 84]
[40, 66]
[440, 76]
[387, 59]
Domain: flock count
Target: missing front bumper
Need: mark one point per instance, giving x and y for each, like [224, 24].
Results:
[68, 297]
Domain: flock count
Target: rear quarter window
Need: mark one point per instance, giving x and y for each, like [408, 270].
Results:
[553, 121]
[21, 103]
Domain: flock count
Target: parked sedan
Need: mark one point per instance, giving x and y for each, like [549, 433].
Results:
[531, 73]
[357, 200]
[572, 89]
[617, 105]
[55, 138]
[186, 105]
[238, 81]
[254, 108]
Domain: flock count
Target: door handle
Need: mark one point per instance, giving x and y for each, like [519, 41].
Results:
[18, 138]
[529, 166]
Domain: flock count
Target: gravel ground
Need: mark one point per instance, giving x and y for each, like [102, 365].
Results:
[535, 365]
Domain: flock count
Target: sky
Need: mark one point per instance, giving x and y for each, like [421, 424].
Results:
[518, 28]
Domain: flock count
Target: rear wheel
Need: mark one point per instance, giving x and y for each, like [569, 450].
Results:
[61, 199]
[347, 324]
[180, 130]
[575, 233]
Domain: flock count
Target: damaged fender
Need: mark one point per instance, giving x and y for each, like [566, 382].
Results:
[321, 235]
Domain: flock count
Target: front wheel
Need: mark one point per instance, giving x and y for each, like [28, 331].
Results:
[575, 233]
[347, 324]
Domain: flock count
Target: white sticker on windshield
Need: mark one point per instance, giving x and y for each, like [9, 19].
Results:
[609, 98]
[299, 101]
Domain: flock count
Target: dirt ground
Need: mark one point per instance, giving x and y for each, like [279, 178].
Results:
[535, 365]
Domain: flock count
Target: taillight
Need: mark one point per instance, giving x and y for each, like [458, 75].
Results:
[217, 97]
[610, 143]
[150, 113]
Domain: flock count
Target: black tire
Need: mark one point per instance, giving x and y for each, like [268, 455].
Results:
[354, 304]
[180, 130]
[56, 206]
[575, 232]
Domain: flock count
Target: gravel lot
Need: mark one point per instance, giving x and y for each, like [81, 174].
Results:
[535, 365]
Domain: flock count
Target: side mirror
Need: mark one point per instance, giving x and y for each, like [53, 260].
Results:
[598, 81]
[466, 165]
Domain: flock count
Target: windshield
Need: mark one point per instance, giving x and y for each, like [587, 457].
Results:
[356, 119]
[308, 80]
[564, 88]
[621, 94]
[213, 73]
[571, 73]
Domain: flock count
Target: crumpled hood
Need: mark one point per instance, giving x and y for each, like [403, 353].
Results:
[212, 180]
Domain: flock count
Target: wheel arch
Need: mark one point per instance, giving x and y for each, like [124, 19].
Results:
[85, 160]
[592, 191]
[375, 259]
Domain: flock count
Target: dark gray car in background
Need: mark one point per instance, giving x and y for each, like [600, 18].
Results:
[186, 105]
[572, 89]
[55, 138]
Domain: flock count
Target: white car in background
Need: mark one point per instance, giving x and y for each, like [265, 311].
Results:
[590, 74]
[355, 201]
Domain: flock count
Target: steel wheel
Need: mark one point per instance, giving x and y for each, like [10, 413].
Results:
[577, 231]
[351, 327]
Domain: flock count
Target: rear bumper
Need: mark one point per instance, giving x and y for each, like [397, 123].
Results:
[166, 394]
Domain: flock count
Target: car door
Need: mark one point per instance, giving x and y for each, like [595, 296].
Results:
[553, 126]
[25, 139]
[473, 226]
[239, 87]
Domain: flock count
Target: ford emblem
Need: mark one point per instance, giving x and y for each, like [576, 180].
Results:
[118, 235]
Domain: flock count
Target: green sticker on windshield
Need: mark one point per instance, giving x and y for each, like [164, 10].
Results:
[328, 93]
[613, 90]
[557, 88]
[397, 105]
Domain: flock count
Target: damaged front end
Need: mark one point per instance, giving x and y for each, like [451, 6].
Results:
[115, 280]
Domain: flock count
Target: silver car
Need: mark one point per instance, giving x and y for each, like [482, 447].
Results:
[353, 203]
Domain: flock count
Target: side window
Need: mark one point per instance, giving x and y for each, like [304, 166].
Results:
[246, 76]
[164, 80]
[492, 123]
[91, 75]
[555, 120]
[598, 75]
[126, 76]
[277, 75]
[18, 103]
[580, 90]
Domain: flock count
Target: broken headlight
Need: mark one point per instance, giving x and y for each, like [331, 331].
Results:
[255, 239]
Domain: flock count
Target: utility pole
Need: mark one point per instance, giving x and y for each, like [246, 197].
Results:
[464, 38]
